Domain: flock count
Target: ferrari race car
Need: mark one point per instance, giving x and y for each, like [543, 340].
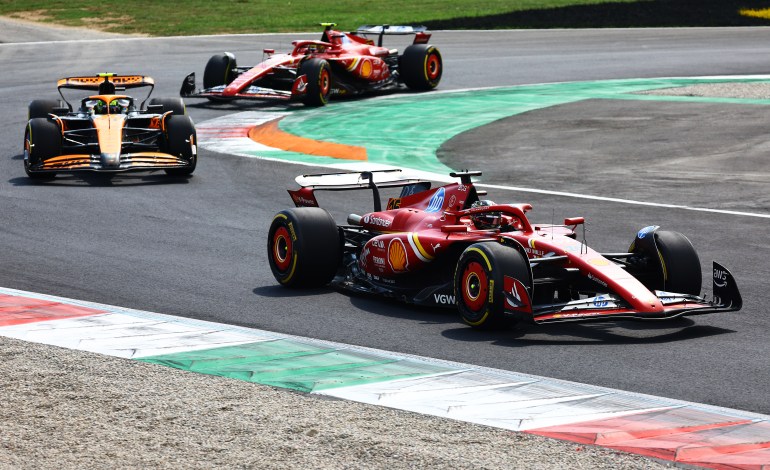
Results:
[340, 64]
[108, 132]
[445, 247]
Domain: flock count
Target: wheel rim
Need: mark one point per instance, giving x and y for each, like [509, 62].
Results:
[324, 82]
[474, 286]
[282, 249]
[433, 67]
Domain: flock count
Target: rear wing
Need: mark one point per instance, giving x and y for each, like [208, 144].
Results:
[421, 34]
[105, 83]
[347, 181]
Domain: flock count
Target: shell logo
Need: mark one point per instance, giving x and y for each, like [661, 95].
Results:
[397, 255]
[366, 69]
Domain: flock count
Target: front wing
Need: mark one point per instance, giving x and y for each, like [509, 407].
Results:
[253, 92]
[138, 161]
[726, 298]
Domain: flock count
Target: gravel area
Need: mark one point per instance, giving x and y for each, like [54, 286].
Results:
[66, 409]
[756, 91]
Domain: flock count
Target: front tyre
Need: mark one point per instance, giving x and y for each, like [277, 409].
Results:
[42, 140]
[220, 70]
[679, 262]
[176, 105]
[670, 264]
[42, 108]
[304, 247]
[319, 81]
[479, 283]
[181, 141]
[420, 67]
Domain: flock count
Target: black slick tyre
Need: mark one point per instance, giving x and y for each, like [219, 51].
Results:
[319, 81]
[42, 108]
[420, 67]
[479, 283]
[42, 140]
[680, 264]
[179, 141]
[304, 247]
[176, 105]
[219, 71]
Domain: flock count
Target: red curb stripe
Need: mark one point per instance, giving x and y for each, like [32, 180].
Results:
[17, 310]
[270, 135]
[681, 434]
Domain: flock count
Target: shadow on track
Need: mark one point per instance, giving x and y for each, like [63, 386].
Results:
[279, 292]
[102, 180]
[619, 333]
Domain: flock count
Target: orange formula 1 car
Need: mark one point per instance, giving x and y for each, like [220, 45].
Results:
[339, 64]
[108, 132]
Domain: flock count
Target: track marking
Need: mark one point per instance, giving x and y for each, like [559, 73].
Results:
[663, 428]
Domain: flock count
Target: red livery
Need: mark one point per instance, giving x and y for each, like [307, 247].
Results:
[446, 247]
[340, 64]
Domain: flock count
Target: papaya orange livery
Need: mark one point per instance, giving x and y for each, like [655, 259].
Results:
[108, 131]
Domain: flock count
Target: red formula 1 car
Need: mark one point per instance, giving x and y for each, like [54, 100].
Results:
[444, 247]
[340, 64]
[108, 132]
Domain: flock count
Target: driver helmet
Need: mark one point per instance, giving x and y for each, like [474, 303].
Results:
[99, 107]
[118, 106]
[487, 220]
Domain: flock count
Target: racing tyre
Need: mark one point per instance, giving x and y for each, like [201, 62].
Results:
[42, 140]
[304, 247]
[479, 283]
[679, 262]
[42, 108]
[674, 268]
[219, 71]
[319, 81]
[420, 67]
[181, 138]
[176, 105]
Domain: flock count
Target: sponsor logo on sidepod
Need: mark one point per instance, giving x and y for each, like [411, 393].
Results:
[374, 220]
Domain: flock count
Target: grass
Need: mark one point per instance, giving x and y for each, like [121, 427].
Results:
[254, 16]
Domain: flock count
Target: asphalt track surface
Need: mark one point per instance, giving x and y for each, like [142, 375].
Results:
[195, 247]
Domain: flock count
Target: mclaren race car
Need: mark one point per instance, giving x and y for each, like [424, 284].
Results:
[108, 132]
[339, 64]
[445, 247]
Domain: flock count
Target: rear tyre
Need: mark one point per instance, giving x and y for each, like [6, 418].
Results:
[420, 67]
[479, 284]
[42, 108]
[319, 81]
[42, 140]
[176, 105]
[219, 71]
[180, 140]
[304, 247]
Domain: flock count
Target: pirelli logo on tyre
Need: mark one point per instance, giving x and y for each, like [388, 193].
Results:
[293, 233]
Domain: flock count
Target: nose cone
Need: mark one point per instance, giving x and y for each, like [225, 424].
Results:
[110, 160]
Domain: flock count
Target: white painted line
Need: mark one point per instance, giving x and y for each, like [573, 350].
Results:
[621, 201]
